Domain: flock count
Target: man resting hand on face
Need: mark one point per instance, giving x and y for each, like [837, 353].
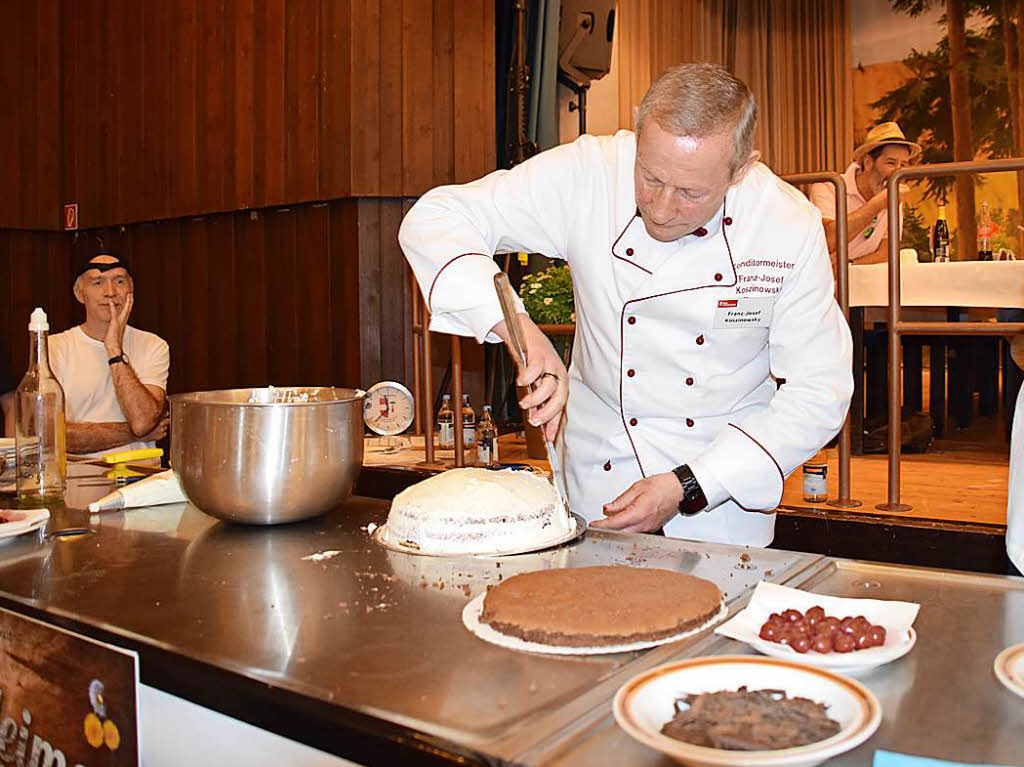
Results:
[114, 376]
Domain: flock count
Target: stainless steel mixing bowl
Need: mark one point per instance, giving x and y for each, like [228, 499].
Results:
[267, 456]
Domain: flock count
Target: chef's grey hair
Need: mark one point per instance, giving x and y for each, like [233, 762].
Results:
[700, 100]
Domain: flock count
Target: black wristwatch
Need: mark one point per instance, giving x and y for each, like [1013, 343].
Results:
[693, 501]
[118, 358]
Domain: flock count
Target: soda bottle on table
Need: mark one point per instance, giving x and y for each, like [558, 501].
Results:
[446, 425]
[486, 439]
[986, 230]
[940, 237]
[39, 429]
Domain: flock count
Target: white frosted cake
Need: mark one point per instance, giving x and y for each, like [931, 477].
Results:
[477, 511]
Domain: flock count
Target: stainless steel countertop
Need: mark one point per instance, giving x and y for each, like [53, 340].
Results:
[368, 635]
[942, 700]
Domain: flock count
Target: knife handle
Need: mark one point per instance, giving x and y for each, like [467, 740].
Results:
[506, 297]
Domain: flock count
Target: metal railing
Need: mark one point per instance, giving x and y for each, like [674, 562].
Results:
[843, 501]
[897, 328]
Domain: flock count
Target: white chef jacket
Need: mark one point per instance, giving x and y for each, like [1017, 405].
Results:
[1015, 490]
[678, 345]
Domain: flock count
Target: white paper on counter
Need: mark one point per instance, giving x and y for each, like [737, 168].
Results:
[768, 598]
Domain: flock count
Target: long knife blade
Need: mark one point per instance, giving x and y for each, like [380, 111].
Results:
[506, 297]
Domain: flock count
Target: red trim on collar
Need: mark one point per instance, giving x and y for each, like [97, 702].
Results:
[745, 434]
[621, 234]
[430, 293]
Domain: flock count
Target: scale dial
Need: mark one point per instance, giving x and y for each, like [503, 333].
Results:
[388, 408]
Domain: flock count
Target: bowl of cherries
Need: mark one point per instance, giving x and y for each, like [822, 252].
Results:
[814, 631]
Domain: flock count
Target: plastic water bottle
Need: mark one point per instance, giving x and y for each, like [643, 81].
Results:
[446, 425]
[486, 439]
[39, 431]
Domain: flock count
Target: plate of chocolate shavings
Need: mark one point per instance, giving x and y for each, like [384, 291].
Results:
[748, 710]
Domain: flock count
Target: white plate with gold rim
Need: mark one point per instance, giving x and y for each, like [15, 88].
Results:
[1009, 668]
[646, 702]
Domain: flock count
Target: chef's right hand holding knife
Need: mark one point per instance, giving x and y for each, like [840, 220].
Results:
[544, 369]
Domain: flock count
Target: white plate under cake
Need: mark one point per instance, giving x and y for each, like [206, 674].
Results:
[477, 511]
[595, 606]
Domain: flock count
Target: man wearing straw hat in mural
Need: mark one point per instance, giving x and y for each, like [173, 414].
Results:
[885, 150]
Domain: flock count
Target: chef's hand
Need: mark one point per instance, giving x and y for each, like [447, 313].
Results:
[645, 507]
[114, 339]
[543, 406]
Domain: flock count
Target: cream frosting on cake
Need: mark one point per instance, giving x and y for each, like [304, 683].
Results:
[477, 511]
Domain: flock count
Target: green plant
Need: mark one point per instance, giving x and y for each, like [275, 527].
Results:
[548, 296]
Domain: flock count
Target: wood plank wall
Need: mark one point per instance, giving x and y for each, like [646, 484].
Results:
[184, 107]
[314, 294]
[169, 121]
[30, 118]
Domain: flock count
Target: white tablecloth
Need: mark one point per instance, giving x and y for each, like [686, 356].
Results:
[995, 284]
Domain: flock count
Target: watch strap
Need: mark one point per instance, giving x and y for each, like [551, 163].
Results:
[118, 358]
[693, 501]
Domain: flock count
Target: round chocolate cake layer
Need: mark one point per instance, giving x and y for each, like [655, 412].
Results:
[593, 606]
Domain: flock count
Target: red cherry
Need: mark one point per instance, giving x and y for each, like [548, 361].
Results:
[801, 644]
[843, 643]
[769, 632]
[822, 643]
[792, 615]
[877, 634]
[816, 613]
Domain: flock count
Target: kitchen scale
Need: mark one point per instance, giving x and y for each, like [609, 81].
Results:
[388, 410]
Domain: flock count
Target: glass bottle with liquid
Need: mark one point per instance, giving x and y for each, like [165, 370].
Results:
[468, 424]
[940, 237]
[486, 439]
[446, 425]
[816, 478]
[986, 229]
[39, 430]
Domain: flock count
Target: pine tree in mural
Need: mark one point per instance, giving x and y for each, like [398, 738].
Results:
[965, 97]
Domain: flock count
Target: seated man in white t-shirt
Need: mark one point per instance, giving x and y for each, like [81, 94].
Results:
[114, 376]
[884, 151]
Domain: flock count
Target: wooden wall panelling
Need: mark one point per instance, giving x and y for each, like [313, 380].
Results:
[392, 98]
[128, 36]
[184, 191]
[30, 123]
[214, 163]
[337, 126]
[345, 295]
[193, 350]
[417, 134]
[370, 287]
[443, 95]
[252, 273]
[282, 351]
[153, 197]
[221, 291]
[396, 356]
[364, 69]
[316, 337]
[302, 86]
[241, 111]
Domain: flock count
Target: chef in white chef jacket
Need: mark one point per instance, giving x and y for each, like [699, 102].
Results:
[700, 278]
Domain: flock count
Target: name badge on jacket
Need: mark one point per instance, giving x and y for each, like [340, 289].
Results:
[743, 313]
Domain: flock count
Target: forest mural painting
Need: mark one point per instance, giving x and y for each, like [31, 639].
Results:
[961, 98]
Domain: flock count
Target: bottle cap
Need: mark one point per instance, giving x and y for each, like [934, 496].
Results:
[38, 322]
